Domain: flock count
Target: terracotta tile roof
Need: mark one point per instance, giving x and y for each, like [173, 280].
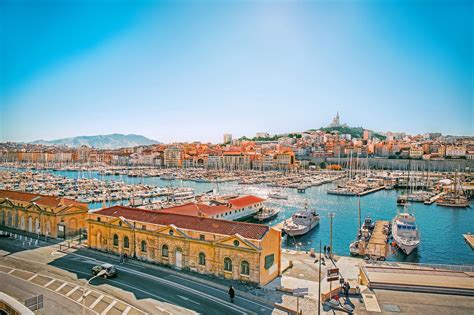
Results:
[246, 230]
[195, 208]
[245, 201]
[44, 200]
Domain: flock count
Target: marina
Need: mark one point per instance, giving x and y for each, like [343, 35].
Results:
[440, 226]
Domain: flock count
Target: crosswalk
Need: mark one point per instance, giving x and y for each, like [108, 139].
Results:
[95, 301]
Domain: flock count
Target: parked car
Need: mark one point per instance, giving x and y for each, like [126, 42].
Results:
[110, 270]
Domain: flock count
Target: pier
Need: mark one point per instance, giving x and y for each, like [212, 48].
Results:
[370, 191]
[469, 239]
[378, 246]
[434, 198]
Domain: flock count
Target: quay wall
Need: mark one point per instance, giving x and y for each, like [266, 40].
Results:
[431, 165]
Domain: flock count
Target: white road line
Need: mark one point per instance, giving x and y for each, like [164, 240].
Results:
[61, 286]
[188, 299]
[11, 271]
[83, 296]
[49, 283]
[72, 291]
[109, 307]
[96, 302]
[32, 277]
[163, 310]
[218, 290]
[127, 310]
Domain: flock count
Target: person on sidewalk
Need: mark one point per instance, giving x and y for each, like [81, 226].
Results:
[231, 294]
[325, 250]
[125, 258]
[121, 258]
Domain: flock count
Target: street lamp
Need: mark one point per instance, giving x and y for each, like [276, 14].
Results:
[99, 274]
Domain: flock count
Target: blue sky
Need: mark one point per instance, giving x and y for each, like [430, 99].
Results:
[194, 70]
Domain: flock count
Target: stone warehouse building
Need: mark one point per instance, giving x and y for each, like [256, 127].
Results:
[45, 215]
[232, 250]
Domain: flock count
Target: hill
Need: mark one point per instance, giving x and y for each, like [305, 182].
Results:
[112, 141]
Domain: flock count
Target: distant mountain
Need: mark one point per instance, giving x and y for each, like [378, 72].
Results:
[113, 141]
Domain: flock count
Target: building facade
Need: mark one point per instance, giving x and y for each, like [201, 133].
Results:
[231, 250]
[45, 215]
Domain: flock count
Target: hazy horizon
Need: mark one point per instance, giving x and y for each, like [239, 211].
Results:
[192, 71]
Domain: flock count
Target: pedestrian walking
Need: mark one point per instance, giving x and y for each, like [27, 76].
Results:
[348, 287]
[325, 250]
[121, 258]
[231, 294]
[125, 257]
[329, 250]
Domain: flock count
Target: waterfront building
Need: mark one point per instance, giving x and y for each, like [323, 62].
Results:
[45, 215]
[456, 151]
[233, 209]
[416, 152]
[232, 250]
[262, 135]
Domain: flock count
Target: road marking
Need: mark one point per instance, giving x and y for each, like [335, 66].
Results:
[218, 290]
[61, 286]
[127, 310]
[109, 307]
[162, 310]
[188, 299]
[11, 271]
[32, 277]
[49, 283]
[83, 296]
[72, 291]
[96, 302]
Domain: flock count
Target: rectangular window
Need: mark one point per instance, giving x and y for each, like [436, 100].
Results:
[144, 227]
[269, 260]
[202, 237]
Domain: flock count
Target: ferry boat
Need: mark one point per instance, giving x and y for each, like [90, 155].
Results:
[405, 232]
[266, 214]
[301, 222]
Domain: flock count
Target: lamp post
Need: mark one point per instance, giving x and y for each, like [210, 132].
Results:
[99, 274]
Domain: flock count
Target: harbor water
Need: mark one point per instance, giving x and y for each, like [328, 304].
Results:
[441, 228]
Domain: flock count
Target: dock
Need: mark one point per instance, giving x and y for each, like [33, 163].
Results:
[469, 239]
[370, 191]
[434, 198]
[378, 246]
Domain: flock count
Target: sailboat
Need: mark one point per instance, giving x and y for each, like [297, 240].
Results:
[456, 198]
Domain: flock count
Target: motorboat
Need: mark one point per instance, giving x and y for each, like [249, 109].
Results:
[301, 222]
[266, 214]
[405, 232]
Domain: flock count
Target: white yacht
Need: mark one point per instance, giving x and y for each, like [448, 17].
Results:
[266, 214]
[405, 232]
[277, 195]
[301, 222]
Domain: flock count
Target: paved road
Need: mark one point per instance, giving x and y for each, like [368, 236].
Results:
[147, 283]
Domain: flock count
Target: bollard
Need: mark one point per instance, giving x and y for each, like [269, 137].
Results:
[20, 237]
[36, 242]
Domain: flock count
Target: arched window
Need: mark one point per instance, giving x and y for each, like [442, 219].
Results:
[115, 240]
[244, 268]
[143, 247]
[202, 259]
[227, 264]
[126, 243]
[164, 251]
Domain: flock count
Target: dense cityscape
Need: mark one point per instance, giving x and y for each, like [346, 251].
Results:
[236, 157]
